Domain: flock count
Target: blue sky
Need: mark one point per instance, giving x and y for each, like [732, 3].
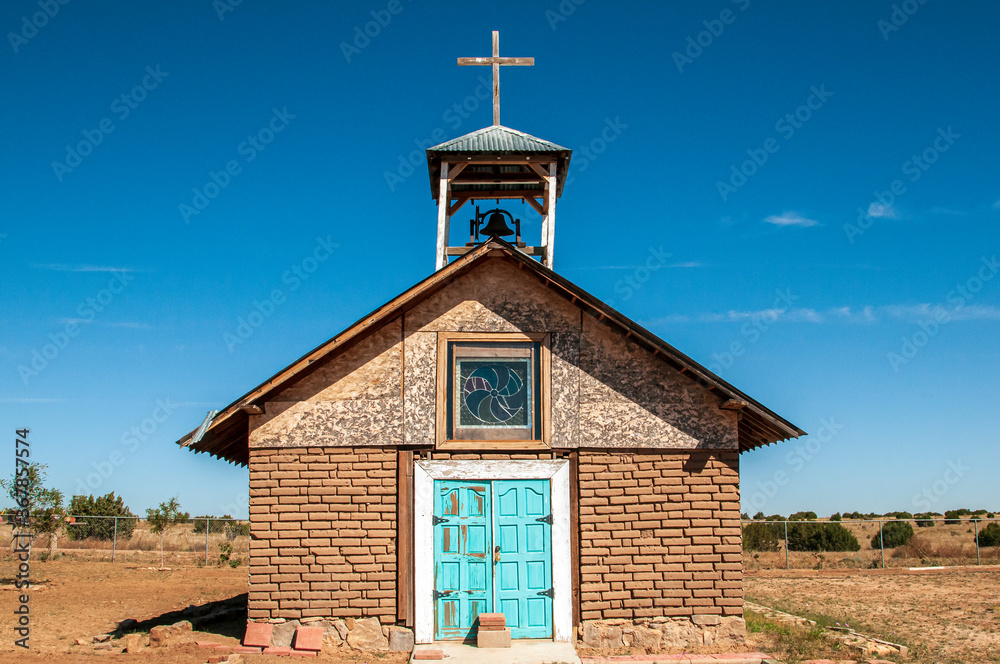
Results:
[815, 186]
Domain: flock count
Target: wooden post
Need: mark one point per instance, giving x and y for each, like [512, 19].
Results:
[549, 221]
[443, 217]
[404, 537]
[496, 78]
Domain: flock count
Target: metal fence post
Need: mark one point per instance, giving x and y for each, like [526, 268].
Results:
[114, 542]
[208, 526]
[975, 525]
[881, 542]
[786, 544]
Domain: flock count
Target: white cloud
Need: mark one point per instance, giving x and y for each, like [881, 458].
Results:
[790, 219]
[688, 264]
[911, 313]
[882, 211]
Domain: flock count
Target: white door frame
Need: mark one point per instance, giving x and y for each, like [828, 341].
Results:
[424, 474]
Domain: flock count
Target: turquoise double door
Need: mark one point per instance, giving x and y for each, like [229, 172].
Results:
[492, 554]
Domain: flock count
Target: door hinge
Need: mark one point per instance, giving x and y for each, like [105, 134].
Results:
[435, 520]
[439, 594]
[551, 592]
[545, 519]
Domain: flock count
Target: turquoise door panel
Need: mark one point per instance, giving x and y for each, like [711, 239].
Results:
[492, 552]
[463, 572]
[524, 571]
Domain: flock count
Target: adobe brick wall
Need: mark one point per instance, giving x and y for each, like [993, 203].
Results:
[660, 534]
[323, 526]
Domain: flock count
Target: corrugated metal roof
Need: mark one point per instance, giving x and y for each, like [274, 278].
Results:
[497, 138]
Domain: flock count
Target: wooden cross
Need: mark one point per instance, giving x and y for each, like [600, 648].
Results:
[496, 61]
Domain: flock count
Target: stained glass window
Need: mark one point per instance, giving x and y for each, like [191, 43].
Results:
[492, 391]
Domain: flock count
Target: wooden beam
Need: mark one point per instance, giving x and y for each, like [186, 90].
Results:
[457, 170]
[443, 217]
[538, 168]
[550, 217]
[462, 199]
[251, 409]
[574, 531]
[530, 200]
[497, 178]
[404, 537]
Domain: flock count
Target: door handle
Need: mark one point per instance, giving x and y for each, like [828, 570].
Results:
[496, 554]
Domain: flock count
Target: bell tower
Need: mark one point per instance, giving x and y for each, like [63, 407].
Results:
[496, 163]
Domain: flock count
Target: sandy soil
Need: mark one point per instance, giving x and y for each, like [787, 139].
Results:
[943, 615]
[75, 600]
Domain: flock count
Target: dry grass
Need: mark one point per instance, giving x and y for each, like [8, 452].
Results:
[944, 545]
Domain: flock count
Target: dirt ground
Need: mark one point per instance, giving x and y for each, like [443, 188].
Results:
[950, 615]
[75, 600]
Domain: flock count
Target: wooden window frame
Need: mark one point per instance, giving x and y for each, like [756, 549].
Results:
[543, 385]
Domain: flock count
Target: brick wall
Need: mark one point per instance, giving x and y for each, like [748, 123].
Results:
[323, 526]
[660, 534]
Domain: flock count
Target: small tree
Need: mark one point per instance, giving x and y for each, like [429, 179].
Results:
[167, 514]
[893, 534]
[103, 506]
[990, 535]
[760, 536]
[803, 516]
[821, 537]
[28, 491]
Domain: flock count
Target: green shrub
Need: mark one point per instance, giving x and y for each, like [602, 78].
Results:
[835, 516]
[758, 515]
[990, 535]
[898, 515]
[102, 529]
[821, 537]
[803, 516]
[951, 517]
[893, 534]
[924, 519]
[216, 526]
[761, 536]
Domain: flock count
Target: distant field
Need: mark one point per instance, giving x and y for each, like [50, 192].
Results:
[940, 544]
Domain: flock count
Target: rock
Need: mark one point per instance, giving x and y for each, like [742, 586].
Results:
[679, 635]
[103, 646]
[367, 635]
[400, 639]
[349, 622]
[331, 632]
[102, 638]
[611, 637]
[306, 621]
[591, 636]
[707, 619]
[181, 627]
[281, 635]
[730, 632]
[648, 639]
[159, 636]
[342, 628]
[128, 623]
[134, 642]
[83, 642]
[235, 658]
[707, 638]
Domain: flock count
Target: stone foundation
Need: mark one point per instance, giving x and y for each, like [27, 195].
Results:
[366, 634]
[662, 634]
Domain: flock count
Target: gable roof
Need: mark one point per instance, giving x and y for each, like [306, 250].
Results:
[496, 140]
[227, 435]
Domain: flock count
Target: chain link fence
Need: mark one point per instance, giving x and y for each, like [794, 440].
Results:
[870, 543]
[210, 539]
